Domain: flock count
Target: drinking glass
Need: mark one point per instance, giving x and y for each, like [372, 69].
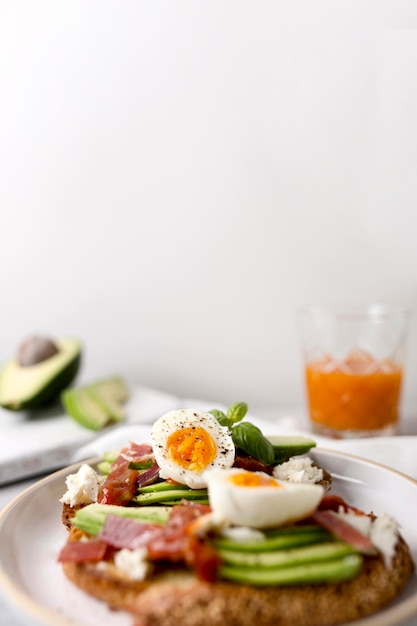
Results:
[354, 368]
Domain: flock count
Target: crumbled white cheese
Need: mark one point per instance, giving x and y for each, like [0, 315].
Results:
[242, 533]
[382, 531]
[298, 469]
[82, 487]
[133, 563]
[384, 536]
[362, 523]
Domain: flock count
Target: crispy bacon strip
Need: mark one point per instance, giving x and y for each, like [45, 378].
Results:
[121, 532]
[137, 451]
[251, 464]
[121, 483]
[149, 476]
[344, 531]
[79, 551]
[335, 503]
[177, 542]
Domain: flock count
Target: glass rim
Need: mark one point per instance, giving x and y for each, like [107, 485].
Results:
[354, 312]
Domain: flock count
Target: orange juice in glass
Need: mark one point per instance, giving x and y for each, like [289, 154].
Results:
[354, 360]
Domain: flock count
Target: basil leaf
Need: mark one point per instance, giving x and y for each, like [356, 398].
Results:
[221, 417]
[250, 439]
[217, 413]
[237, 411]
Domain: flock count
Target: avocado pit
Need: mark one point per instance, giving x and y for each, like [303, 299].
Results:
[39, 372]
[36, 349]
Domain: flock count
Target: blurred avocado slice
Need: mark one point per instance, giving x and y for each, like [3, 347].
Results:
[98, 404]
[39, 372]
[111, 394]
[286, 446]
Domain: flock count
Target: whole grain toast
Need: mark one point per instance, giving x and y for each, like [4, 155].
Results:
[173, 595]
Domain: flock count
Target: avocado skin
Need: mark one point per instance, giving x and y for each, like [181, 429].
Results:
[52, 389]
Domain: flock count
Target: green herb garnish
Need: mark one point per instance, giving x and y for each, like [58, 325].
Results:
[245, 435]
[235, 413]
[250, 439]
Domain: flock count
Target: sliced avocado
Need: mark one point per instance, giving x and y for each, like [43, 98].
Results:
[33, 386]
[91, 518]
[81, 406]
[96, 405]
[175, 495]
[110, 394]
[286, 446]
[283, 558]
[333, 570]
[301, 536]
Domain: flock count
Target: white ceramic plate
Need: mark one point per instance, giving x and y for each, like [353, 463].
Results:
[31, 535]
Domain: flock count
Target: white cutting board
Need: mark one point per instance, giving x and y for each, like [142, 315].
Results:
[33, 443]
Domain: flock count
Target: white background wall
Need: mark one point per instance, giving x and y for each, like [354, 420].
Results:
[177, 177]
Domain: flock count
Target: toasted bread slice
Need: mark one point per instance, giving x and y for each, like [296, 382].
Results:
[173, 596]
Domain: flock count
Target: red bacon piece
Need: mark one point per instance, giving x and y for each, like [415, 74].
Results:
[136, 452]
[203, 558]
[79, 551]
[332, 503]
[344, 531]
[335, 503]
[177, 542]
[122, 532]
[171, 544]
[149, 476]
[251, 464]
[121, 483]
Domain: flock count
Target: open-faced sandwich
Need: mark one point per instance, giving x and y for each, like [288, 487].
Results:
[213, 523]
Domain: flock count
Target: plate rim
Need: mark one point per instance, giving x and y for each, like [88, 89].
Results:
[17, 598]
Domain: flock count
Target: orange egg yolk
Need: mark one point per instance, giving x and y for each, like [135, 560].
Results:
[191, 448]
[252, 480]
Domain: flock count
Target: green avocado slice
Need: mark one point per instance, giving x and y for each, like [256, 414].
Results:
[333, 570]
[91, 518]
[31, 387]
[286, 446]
[111, 394]
[98, 404]
[82, 407]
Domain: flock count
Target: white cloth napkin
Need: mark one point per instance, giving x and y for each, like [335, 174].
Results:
[146, 405]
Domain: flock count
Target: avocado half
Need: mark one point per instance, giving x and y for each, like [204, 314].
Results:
[34, 386]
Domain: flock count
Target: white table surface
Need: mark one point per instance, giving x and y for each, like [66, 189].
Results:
[8, 617]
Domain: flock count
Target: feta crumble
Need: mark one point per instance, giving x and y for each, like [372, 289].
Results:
[382, 531]
[298, 470]
[82, 487]
[362, 523]
[133, 563]
[384, 536]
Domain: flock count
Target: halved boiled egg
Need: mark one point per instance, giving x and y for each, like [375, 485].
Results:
[188, 442]
[258, 500]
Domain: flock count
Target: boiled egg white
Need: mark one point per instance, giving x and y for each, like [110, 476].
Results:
[188, 442]
[257, 500]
